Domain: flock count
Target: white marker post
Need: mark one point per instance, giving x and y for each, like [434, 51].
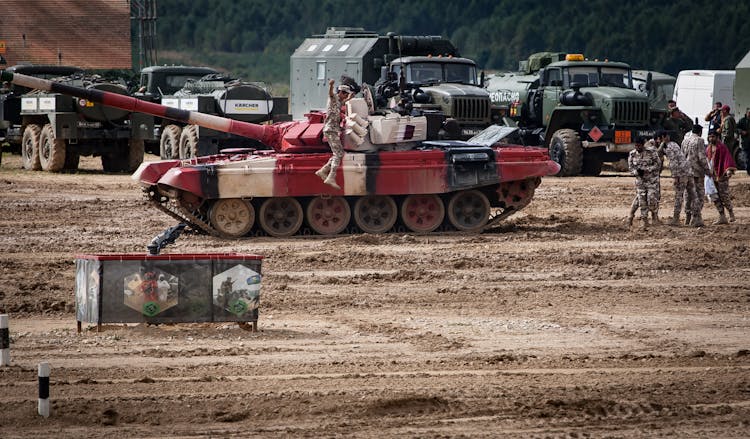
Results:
[44, 389]
[4, 341]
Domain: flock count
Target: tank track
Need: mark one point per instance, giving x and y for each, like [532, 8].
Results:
[515, 196]
[178, 212]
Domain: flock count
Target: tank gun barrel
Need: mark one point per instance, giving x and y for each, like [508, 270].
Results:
[266, 134]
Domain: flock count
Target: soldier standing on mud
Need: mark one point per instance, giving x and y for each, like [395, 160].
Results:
[332, 131]
[694, 148]
[682, 174]
[650, 144]
[728, 129]
[714, 117]
[722, 168]
[676, 125]
[644, 165]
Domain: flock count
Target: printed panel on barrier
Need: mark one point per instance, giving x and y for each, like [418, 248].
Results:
[87, 290]
[236, 290]
[158, 291]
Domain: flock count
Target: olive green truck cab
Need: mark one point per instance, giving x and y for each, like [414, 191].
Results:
[585, 112]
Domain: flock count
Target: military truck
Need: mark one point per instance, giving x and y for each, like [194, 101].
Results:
[11, 127]
[207, 91]
[58, 129]
[585, 112]
[658, 86]
[428, 69]
[159, 81]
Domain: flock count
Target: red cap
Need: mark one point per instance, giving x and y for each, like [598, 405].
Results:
[725, 107]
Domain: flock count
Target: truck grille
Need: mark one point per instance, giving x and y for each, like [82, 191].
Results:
[628, 112]
[471, 109]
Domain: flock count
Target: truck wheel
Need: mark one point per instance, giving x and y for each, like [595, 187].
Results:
[30, 147]
[565, 149]
[189, 142]
[51, 150]
[169, 145]
[136, 150]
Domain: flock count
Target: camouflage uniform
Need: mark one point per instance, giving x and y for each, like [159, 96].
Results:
[694, 149]
[729, 132]
[645, 165]
[722, 199]
[682, 174]
[677, 126]
[332, 132]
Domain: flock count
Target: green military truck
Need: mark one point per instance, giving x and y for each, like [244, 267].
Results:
[57, 129]
[425, 71]
[11, 122]
[585, 112]
[207, 91]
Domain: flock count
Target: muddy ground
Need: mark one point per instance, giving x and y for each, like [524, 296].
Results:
[561, 323]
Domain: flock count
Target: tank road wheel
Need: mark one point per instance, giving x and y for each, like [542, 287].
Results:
[30, 147]
[169, 144]
[328, 215]
[189, 142]
[469, 211]
[565, 149]
[136, 150]
[232, 217]
[281, 217]
[422, 213]
[375, 213]
[51, 150]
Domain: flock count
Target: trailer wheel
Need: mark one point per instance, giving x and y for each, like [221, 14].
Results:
[169, 145]
[51, 150]
[30, 147]
[189, 142]
[565, 149]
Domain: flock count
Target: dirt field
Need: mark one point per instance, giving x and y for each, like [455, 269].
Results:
[561, 323]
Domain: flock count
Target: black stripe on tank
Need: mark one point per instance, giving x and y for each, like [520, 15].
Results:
[372, 168]
[209, 182]
[176, 114]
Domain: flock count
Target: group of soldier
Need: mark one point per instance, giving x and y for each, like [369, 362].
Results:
[697, 170]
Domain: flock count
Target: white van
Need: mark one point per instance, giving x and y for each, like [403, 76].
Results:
[696, 91]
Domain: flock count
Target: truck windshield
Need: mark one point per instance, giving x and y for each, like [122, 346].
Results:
[596, 76]
[425, 73]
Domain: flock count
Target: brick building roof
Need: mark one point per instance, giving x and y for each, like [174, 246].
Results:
[92, 34]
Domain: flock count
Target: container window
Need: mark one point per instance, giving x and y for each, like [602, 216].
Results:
[321, 71]
[343, 48]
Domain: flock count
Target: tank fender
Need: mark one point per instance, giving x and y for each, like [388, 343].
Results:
[200, 181]
[149, 173]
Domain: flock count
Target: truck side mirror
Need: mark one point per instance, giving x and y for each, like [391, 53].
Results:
[649, 80]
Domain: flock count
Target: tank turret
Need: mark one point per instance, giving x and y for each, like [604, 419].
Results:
[393, 177]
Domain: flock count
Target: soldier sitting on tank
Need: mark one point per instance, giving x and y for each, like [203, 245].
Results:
[332, 128]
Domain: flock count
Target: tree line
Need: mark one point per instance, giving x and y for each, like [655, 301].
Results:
[254, 39]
